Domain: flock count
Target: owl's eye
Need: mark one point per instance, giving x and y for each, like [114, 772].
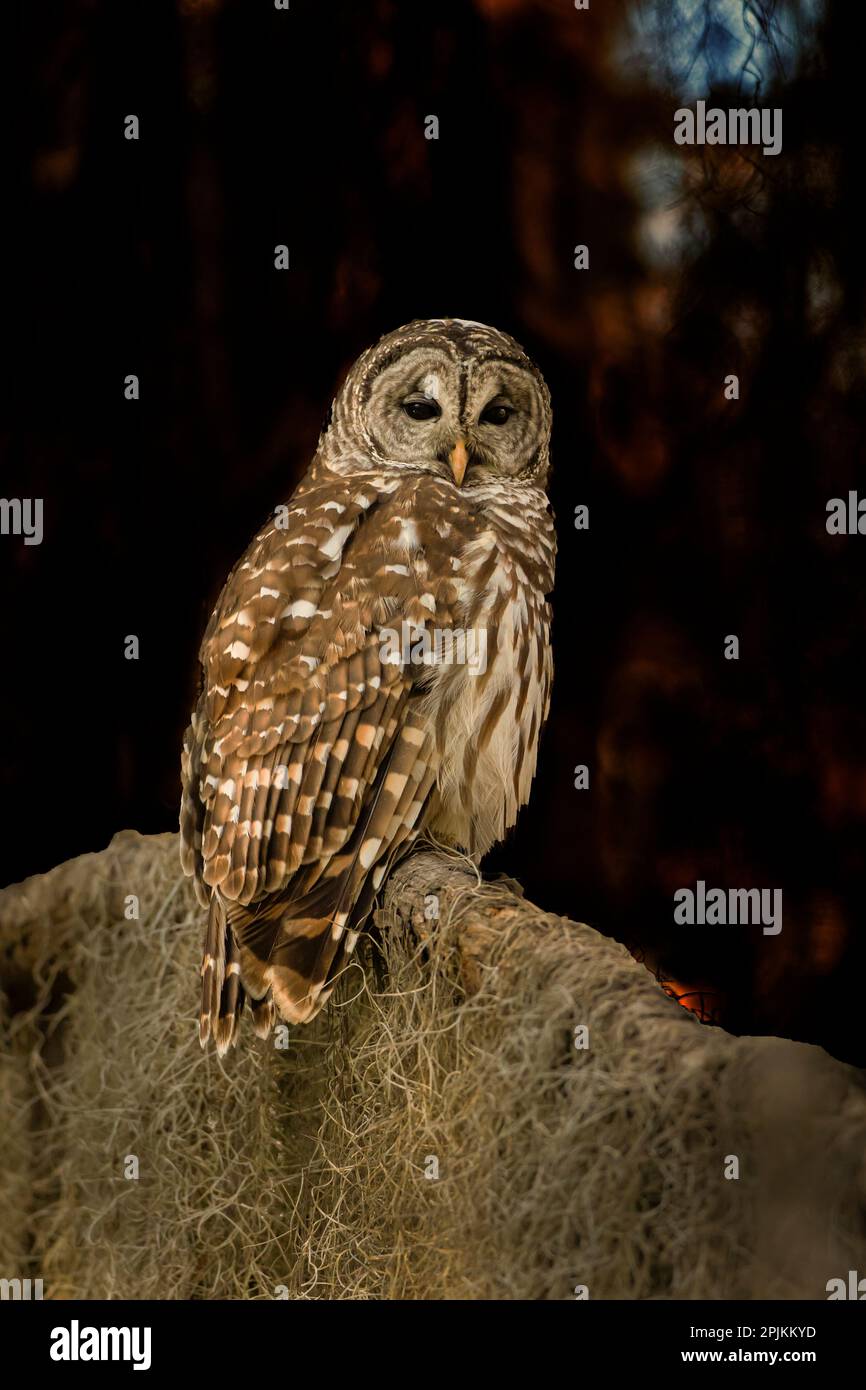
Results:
[421, 408]
[496, 414]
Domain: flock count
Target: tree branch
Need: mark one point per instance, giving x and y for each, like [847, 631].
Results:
[500, 1103]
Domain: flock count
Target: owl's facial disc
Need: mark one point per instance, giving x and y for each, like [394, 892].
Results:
[467, 419]
[412, 411]
[505, 418]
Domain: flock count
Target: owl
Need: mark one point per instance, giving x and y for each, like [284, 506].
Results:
[378, 664]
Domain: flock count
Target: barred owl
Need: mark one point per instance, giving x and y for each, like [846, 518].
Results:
[378, 663]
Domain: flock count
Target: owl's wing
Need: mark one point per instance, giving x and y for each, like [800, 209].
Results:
[307, 765]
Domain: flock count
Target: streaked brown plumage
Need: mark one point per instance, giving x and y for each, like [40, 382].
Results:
[321, 744]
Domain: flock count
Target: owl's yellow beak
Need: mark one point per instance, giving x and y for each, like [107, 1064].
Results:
[458, 459]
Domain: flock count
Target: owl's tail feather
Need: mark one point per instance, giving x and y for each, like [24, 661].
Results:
[212, 968]
[294, 945]
[317, 933]
[307, 947]
[222, 994]
[264, 1015]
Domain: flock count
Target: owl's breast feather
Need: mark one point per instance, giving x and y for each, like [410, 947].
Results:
[488, 717]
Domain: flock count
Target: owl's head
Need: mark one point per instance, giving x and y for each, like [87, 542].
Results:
[450, 397]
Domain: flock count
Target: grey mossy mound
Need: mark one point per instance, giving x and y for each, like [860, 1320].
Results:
[309, 1172]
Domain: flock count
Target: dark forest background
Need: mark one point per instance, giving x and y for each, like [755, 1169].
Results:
[306, 127]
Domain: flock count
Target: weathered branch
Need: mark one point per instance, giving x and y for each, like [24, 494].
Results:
[501, 1104]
